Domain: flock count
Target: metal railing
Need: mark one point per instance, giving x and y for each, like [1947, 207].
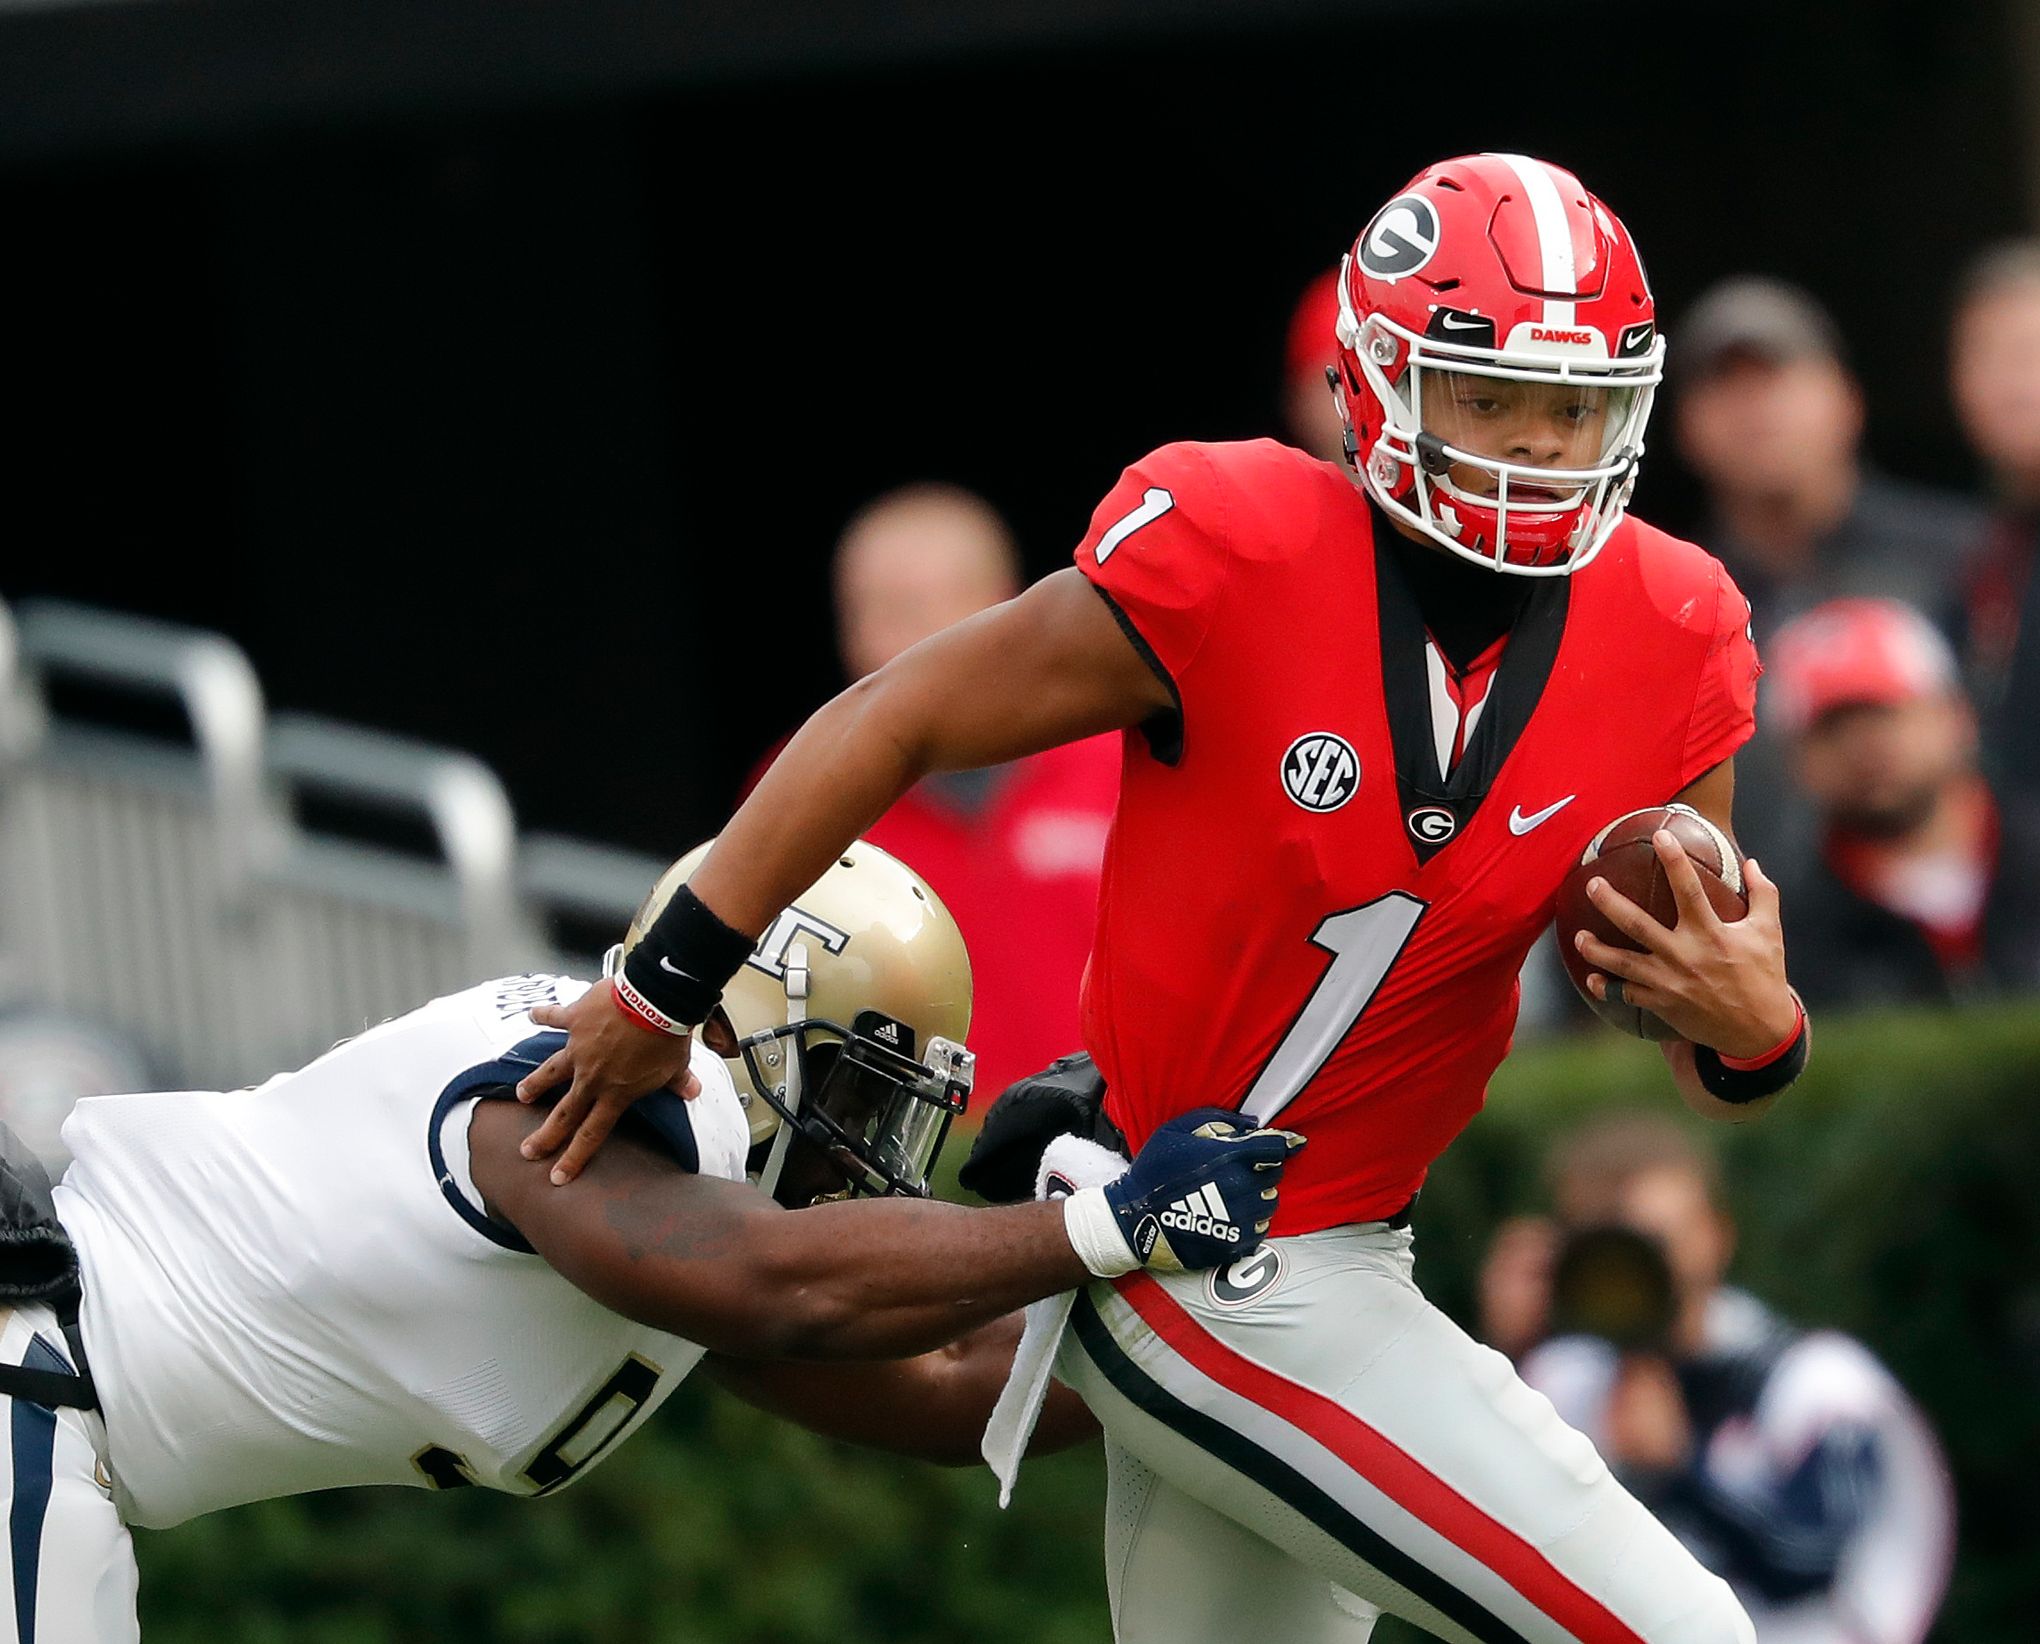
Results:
[582, 895]
[235, 891]
[128, 860]
[397, 880]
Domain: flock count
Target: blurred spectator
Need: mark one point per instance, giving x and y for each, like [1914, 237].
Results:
[1308, 409]
[912, 563]
[1015, 850]
[1924, 888]
[1787, 1461]
[1770, 418]
[1512, 1291]
[1995, 381]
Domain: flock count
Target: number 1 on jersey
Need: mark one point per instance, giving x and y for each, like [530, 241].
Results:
[1154, 503]
[1364, 943]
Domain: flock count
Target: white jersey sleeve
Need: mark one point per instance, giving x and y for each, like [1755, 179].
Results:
[296, 1287]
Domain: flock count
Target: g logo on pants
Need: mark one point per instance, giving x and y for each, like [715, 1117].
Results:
[1246, 1281]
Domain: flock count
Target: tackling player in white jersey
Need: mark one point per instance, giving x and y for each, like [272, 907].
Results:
[351, 1274]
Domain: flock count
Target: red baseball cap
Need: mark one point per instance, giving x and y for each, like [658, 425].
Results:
[1313, 343]
[1851, 651]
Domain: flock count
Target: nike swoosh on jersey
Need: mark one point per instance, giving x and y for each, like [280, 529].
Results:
[1519, 824]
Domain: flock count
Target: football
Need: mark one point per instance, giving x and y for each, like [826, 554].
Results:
[1622, 853]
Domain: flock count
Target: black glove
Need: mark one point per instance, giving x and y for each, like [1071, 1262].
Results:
[37, 1260]
[1065, 1098]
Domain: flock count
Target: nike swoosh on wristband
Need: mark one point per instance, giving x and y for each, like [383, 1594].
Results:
[672, 969]
[1519, 824]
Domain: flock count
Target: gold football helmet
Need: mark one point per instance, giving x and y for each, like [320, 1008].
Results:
[848, 1020]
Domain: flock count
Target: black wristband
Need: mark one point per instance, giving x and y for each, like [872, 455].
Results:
[686, 958]
[1740, 1085]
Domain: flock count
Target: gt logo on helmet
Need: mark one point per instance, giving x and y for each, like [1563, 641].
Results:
[770, 954]
[1401, 239]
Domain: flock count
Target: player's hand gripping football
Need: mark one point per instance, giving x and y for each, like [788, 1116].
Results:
[608, 1062]
[1716, 982]
[1202, 1192]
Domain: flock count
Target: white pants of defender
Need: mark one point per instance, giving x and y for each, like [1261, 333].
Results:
[1301, 1441]
[69, 1563]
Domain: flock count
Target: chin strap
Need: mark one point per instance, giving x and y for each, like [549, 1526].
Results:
[1347, 437]
[796, 1013]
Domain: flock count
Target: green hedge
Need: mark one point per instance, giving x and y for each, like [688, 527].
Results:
[1892, 1195]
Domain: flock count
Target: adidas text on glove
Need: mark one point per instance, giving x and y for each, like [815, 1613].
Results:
[1200, 1194]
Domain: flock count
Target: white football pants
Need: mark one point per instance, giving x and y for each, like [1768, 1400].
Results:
[69, 1563]
[1301, 1441]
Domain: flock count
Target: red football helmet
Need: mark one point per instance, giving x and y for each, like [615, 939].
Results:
[1498, 353]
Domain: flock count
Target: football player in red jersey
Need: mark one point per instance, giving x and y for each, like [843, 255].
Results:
[1374, 713]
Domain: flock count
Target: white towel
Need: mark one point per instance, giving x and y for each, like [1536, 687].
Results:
[1068, 1164]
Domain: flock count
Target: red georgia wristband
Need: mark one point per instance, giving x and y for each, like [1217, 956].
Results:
[1749, 1064]
[642, 1011]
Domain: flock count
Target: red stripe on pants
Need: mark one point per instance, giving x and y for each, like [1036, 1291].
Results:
[1383, 1464]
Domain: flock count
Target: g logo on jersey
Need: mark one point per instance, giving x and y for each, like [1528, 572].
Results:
[1246, 1281]
[1401, 239]
[1433, 824]
[1320, 771]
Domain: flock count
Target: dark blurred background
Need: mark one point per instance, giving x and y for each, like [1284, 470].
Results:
[504, 374]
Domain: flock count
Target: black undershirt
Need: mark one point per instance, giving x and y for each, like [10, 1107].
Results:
[1427, 596]
[1465, 606]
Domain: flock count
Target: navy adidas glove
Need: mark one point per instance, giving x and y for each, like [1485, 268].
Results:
[1199, 1194]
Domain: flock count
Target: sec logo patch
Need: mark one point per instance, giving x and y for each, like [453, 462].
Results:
[1320, 771]
[1246, 1281]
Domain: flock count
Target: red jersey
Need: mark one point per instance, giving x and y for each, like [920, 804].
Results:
[1304, 912]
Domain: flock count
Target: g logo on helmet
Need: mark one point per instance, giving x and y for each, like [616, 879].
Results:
[1401, 239]
[1433, 824]
[1320, 771]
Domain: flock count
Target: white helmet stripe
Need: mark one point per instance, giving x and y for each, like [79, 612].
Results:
[1554, 233]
